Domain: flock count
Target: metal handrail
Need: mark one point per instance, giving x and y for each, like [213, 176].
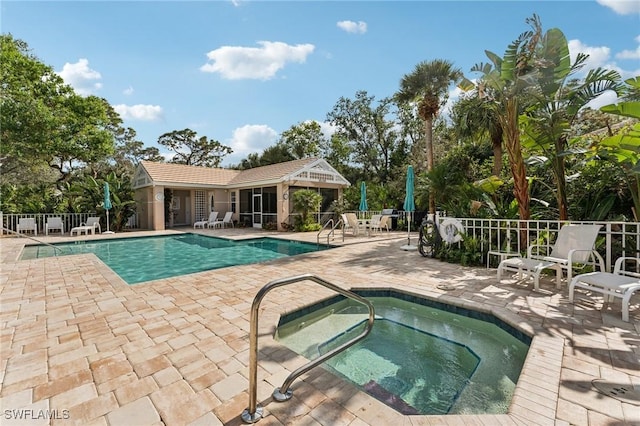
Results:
[330, 221]
[11, 231]
[253, 413]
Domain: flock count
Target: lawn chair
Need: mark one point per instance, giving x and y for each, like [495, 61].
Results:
[622, 283]
[575, 244]
[225, 220]
[213, 216]
[93, 221]
[54, 223]
[27, 224]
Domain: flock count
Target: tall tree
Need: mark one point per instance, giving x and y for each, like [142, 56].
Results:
[303, 139]
[472, 117]
[194, 151]
[557, 101]
[427, 87]
[504, 84]
[369, 133]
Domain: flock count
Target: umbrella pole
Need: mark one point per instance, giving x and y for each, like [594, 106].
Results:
[107, 231]
[409, 247]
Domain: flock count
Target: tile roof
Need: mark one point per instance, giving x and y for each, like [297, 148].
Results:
[271, 172]
[197, 175]
[180, 173]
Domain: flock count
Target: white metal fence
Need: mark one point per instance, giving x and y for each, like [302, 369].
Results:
[70, 220]
[615, 239]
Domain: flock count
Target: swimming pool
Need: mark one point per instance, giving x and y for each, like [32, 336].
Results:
[421, 357]
[140, 259]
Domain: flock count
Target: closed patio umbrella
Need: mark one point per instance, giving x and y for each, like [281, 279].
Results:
[409, 206]
[363, 198]
[107, 204]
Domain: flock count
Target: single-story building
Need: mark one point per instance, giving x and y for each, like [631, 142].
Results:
[169, 195]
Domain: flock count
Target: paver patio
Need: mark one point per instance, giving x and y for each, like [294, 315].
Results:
[79, 344]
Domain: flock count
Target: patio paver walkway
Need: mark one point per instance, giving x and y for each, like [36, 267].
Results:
[80, 345]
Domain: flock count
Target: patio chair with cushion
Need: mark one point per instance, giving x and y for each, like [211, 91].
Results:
[622, 283]
[27, 224]
[54, 223]
[575, 244]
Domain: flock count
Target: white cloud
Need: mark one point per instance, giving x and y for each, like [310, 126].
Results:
[608, 97]
[128, 91]
[260, 63]
[139, 112]
[251, 138]
[622, 7]
[630, 54]
[599, 57]
[82, 78]
[359, 27]
[327, 129]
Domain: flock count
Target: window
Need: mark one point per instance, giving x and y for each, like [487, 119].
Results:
[200, 205]
[233, 201]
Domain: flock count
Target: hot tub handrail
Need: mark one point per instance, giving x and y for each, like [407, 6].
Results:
[254, 412]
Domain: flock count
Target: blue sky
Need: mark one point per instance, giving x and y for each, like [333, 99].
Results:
[243, 72]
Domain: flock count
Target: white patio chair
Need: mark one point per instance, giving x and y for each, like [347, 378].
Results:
[622, 283]
[575, 244]
[54, 223]
[27, 224]
[378, 223]
[213, 216]
[93, 221]
[224, 221]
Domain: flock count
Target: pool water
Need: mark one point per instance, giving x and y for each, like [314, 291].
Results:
[141, 259]
[418, 359]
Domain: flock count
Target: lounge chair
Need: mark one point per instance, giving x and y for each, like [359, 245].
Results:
[574, 245]
[93, 221]
[621, 283]
[54, 223]
[26, 224]
[225, 220]
[351, 223]
[213, 216]
[379, 222]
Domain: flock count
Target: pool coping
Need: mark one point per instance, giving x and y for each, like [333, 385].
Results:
[539, 378]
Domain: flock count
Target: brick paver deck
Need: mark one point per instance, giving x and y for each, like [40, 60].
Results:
[80, 345]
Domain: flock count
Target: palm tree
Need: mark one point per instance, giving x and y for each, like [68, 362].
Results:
[472, 117]
[427, 87]
[504, 84]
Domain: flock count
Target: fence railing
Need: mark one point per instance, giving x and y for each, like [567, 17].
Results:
[70, 220]
[615, 239]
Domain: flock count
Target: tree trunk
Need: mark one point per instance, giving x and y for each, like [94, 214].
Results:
[516, 161]
[496, 142]
[428, 137]
[561, 184]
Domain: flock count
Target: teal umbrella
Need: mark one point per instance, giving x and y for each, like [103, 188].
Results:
[363, 198]
[107, 204]
[409, 205]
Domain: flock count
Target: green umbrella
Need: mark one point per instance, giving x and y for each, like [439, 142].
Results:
[363, 197]
[409, 205]
[107, 204]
